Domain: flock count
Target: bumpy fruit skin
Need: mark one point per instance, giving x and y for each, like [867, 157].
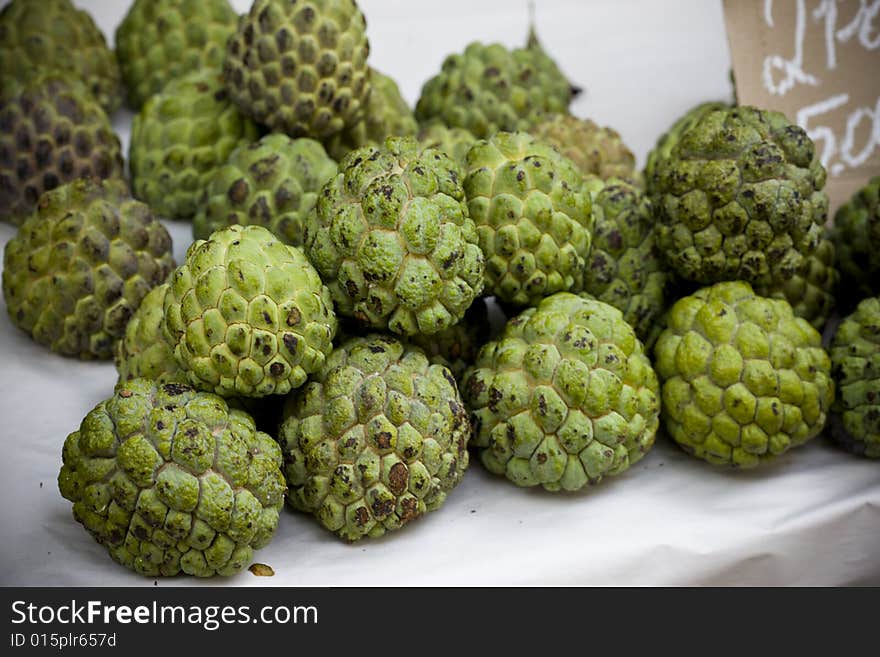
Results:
[744, 380]
[488, 88]
[375, 440]
[455, 142]
[300, 67]
[456, 347]
[52, 131]
[273, 183]
[392, 239]
[181, 136]
[855, 365]
[387, 115]
[564, 397]
[80, 265]
[669, 139]
[172, 481]
[811, 291]
[533, 217]
[55, 35]
[856, 236]
[160, 40]
[247, 314]
[624, 268]
[597, 151]
[740, 198]
[143, 352]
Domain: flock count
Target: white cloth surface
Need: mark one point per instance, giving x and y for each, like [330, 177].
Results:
[813, 518]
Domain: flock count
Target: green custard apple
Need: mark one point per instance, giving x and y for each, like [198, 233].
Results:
[180, 138]
[855, 366]
[160, 40]
[533, 216]
[740, 197]
[564, 397]
[856, 236]
[597, 151]
[387, 114]
[624, 268]
[247, 315]
[812, 291]
[456, 347]
[455, 142]
[490, 88]
[375, 440]
[143, 352]
[171, 481]
[743, 379]
[55, 35]
[300, 67]
[669, 139]
[273, 182]
[52, 131]
[392, 239]
[80, 265]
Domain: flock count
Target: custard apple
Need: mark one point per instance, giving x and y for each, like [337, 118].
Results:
[488, 88]
[387, 114]
[533, 216]
[172, 480]
[743, 379]
[55, 35]
[456, 347]
[181, 136]
[300, 67]
[811, 291]
[595, 150]
[856, 236]
[669, 139]
[143, 352]
[624, 268]
[247, 315]
[80, 265]
[392, 239]
[375, 440]
[455, 142]
[855, 366]
[160, 40]
[51, 132]
[564, 397]
[740, 198]
[273, 183]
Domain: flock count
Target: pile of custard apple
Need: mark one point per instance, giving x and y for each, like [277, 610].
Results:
[326, 340]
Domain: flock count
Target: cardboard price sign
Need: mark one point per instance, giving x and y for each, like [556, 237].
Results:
[818, 62]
